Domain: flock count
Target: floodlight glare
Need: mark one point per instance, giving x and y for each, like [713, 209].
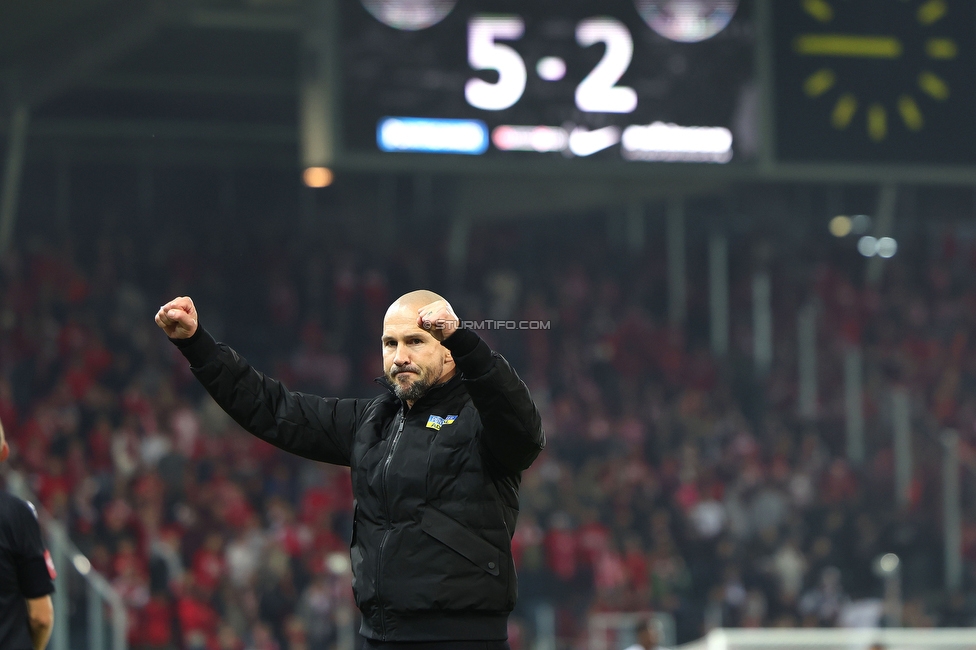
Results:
[867, 246]
[887, 247]
[840, 226]
[860, 224]
[318, 177]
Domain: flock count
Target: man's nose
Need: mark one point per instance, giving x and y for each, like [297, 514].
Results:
[401, 358]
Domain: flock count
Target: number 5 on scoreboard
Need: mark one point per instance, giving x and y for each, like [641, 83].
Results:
[484, 53]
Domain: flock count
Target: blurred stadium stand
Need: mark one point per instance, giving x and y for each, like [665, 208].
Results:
[744, 412]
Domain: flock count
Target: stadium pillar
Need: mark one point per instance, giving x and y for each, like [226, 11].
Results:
[884, 227]
[718, 293]
[545, 627]
[677, 297]
[635, 227]
[147, 193]
[888, 568]
[806, 339]
[308, 207]
[316, 96]
[346, 624]
[228, 195]
[854, 404]
[762, 323]
[62, 195]
[951, 510]
[765, 77]
[901, 421]
[12, 172]
[423, 197]
[457, 250]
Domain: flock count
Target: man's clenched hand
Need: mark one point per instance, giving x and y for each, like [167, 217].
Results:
[438, 318]
[178, 318]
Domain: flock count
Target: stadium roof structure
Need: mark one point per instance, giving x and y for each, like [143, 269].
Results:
[181, 80]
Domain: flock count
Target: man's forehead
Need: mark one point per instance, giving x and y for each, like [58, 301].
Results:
[396, 332]
[398, 324]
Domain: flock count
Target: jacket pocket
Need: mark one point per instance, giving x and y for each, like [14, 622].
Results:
[461, 540]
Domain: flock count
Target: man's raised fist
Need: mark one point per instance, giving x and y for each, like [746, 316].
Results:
[438, 318]
[178, 318]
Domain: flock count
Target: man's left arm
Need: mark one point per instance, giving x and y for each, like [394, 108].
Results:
[512, 425]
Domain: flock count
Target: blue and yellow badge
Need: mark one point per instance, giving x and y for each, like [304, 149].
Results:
[436, 422]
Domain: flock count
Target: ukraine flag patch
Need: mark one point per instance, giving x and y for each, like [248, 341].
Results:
[436, 422]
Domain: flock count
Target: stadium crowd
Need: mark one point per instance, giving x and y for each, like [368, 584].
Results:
[674, 481]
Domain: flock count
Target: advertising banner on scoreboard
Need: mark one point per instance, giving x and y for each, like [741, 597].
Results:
[632, 81]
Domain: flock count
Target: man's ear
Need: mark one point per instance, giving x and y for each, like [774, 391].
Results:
[4, 451]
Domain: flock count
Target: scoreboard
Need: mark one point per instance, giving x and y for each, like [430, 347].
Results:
[631, 81]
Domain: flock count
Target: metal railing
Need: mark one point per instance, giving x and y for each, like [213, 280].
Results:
[103, 624]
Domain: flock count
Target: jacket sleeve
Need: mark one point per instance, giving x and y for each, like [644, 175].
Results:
[313, 427]
[513, 432]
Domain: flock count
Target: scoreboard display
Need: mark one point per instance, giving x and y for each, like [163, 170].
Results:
[617, 80]
[875, 81]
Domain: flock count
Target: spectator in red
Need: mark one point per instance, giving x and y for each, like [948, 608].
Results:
[561, 549]
[53, 483]
[133, 587]
[208, 563]
[196, 617]
[839, 484]
[635, 563]
[592, 538]
[156, 623]
[127, 559]
[528, 535]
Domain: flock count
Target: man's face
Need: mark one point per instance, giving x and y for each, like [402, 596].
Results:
[413, 360]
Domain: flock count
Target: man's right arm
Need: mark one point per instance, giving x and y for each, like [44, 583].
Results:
[313, 427]
[40, 619]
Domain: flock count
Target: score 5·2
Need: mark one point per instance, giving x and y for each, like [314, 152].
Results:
[597, 93]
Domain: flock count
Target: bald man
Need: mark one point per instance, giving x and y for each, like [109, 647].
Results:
[26, 574]
[436, 463]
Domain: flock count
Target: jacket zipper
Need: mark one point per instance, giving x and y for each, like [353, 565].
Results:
[389, 523]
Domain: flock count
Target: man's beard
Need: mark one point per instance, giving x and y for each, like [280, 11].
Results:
[415, 390]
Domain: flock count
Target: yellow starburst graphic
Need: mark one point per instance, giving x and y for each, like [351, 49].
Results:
[836, 45]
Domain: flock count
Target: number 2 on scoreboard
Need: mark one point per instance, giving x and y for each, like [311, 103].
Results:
[597, 93]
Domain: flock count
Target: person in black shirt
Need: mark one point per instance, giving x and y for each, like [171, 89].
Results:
[26, 574]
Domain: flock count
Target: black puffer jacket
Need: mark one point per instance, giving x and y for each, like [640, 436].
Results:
[436, 486]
